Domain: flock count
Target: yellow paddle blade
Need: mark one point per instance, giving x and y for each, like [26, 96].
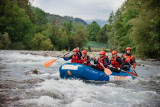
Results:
[107, 71]
[50, 62]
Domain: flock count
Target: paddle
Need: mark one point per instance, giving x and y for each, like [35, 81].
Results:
[50, 62]
[131, 66]
[130, 73]
[106, 70]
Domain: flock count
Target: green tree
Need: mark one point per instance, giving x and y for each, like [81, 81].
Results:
[64, 41]
[145, 32]
[47, 45]
[4, 41]
[93, 30]
[41, 42]
[67, 27]
[16, 22]
[102, 35]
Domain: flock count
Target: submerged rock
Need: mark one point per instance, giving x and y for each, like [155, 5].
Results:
[35, 71]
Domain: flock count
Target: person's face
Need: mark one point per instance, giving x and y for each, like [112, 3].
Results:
[83, 54]
[114, 55]
[101, 55]
[128, 51]
[74, 53]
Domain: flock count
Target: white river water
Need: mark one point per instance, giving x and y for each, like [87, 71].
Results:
[18, 87]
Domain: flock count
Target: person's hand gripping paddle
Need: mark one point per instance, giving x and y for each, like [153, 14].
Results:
[50, 62]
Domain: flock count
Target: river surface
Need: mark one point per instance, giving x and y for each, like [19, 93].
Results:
[19, 87]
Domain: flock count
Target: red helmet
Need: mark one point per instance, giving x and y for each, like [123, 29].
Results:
[102, 53]
[128, 48]
[114, 52]
[85, 52]
[75, 50]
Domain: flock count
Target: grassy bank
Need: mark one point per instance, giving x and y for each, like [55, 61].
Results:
[96, 46]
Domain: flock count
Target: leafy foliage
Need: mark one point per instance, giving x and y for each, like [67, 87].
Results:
[102, 35]
[93, 30]
[136, 24]
[4, 41]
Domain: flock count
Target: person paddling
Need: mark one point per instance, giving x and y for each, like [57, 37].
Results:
[128, 59]
[85, 58]
[75, 57]
[103, 59]
[116, 62]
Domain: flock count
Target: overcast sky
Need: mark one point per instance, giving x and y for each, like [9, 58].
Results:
[85, 9]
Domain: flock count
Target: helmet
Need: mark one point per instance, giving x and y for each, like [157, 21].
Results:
[85, 52]
[114, 52]
[75, 50]
[128, 48]
[102, 53]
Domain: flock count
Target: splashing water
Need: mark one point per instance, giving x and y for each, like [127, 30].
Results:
[20, 88]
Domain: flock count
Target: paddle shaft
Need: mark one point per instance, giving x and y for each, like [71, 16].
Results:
[131, 66]
[102, 65]
[50, 62]
[63, 55]
[130, 73]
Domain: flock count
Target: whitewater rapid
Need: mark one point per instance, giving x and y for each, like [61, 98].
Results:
[19, 87]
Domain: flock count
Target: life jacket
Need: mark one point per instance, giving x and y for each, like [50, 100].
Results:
[75, 58]
[128, 58]
[101, 61]
[83, 59]
[114, 62]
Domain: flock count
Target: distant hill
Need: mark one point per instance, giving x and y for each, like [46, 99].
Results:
[57, 18]
[60, 19]
[99, 21]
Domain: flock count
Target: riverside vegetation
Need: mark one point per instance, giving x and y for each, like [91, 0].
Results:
[136, 24]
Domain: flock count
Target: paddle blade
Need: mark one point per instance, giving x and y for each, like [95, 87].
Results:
[107, 71]
[50, 62]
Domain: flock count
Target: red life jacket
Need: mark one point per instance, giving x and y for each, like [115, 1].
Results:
[101, 61]
[75, 58]
[130, 59]
[83, 59]
[115, 63]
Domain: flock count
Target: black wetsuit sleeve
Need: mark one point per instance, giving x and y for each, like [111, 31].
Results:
[88, 59]
[106, 61]
[66, 59]
[120, 61]
[80, 54]
[133, 61]
[95, 61]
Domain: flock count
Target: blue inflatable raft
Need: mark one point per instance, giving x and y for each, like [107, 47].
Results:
[79, 71]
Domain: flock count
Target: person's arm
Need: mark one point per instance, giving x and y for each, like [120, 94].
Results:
[121, 62]
[106, 61]
[122, 56]
[88, 59]
[123, 59]
[95, 61]
[80, 54]
[66, 59]
[134, 63]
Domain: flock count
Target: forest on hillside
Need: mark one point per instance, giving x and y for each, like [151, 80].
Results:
[136, 24]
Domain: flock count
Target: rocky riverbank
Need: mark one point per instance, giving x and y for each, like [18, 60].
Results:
[61, 53]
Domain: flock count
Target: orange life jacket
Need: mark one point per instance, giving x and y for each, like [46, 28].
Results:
[75, 58]
[129, 59]
[101, 61]
[83, 59]
[114, 62]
